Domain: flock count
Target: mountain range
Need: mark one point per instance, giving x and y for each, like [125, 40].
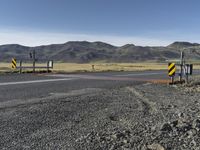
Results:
[84, 52]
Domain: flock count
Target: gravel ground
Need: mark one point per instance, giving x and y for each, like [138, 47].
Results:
[141, 117]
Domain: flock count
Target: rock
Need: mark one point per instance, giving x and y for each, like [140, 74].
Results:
[192, 133]
[174, 123]
[181, 115]
[125, 141]
[144, 147]
[166, 128]
[113, 117]
[120, 135]
[114, 136]
[184, 127]
[112, 147]
[193, 143]
[155, 147]
[197, 122]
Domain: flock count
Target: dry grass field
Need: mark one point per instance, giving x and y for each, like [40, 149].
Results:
[98, 67]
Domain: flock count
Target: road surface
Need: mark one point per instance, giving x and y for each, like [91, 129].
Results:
[26, 86]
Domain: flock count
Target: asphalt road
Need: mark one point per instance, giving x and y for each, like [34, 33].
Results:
[26, 86]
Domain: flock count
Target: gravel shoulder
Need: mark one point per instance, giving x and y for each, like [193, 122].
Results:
[146, 116]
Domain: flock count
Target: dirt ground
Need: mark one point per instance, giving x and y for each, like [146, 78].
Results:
[141, 117]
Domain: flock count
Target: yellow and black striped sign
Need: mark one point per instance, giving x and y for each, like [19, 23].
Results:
[171, 69]
[14, 63]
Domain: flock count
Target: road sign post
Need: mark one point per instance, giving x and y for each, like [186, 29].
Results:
[93, 68]
[182, 63]
[188, 71]
[184, 71]
[33, 61]
[49, 65]
[14, 63]
[20, 66]
[171, 71]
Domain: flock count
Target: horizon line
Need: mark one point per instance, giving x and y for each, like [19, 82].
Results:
[97, 42]
[35, 39]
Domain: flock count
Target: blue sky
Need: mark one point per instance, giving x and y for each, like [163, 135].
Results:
[141, 22]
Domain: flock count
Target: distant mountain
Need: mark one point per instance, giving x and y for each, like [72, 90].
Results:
[84, 52]
[179, 45]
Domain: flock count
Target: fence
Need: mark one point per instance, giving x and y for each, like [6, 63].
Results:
[24, 64]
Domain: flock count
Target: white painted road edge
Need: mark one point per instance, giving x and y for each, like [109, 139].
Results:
[35, 81]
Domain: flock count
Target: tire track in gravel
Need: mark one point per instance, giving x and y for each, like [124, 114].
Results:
[145, 104]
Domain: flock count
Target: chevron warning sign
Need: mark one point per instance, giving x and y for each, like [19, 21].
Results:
[171, 69]
[14, 63]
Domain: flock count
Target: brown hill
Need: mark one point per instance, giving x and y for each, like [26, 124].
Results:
[83, 52]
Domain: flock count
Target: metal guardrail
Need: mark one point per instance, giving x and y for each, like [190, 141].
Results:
[48, 67]
[33, 60]
[21, 66]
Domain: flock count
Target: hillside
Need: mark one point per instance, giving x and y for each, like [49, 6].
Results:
[180, 45]
[83, 52]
